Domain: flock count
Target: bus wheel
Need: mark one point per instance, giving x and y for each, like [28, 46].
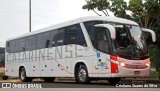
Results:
[113, 81]
[82, 75]
[23, 76]
[49, 79]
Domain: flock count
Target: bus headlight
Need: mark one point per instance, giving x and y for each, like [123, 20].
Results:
[147, 64]
[122, 64]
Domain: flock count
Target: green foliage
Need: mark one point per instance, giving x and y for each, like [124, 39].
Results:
[96, 4]
[154, 74]
[136, 6]
[154, 54]
[1, 74]
[119, 8]
[101, 5]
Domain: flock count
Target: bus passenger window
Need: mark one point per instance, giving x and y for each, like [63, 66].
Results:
[43, 40]
[58, 37]
[20, 45]
[30, 43]
[10, 46]
[74, 35]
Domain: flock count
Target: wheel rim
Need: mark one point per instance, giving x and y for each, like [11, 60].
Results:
[22, 75]
[82, 74]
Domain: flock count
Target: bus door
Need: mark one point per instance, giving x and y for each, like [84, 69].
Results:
[103, 57]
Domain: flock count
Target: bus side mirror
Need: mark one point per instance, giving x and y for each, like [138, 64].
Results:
[110, 28]
[152, 33]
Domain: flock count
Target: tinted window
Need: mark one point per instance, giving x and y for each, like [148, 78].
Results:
[102, 40]
[70, 35]
[2, 50]
[30, 43]
[58, 37]
[43, 40]
[20, 45]
[90, 29]
[74, 35]
[10, 46]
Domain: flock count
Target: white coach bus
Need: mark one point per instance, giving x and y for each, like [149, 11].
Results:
[86, 48]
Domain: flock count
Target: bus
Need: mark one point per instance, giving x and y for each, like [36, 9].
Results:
[88, 48]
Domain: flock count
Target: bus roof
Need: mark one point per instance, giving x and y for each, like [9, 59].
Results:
[83, 19]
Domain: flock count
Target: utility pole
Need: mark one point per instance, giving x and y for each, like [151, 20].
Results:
[30, 27]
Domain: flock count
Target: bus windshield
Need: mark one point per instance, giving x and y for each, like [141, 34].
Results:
[129, 41]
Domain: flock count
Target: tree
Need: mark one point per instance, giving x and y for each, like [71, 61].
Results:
[144, 12]
[100, 5]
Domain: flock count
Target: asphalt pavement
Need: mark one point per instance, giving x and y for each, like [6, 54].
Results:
[64, 83]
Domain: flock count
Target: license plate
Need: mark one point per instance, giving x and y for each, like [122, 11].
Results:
[136, 72]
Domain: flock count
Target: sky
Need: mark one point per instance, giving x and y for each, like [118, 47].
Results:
[14, 15]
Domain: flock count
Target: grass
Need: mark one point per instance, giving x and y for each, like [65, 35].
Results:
[1, 74]
[154, 74]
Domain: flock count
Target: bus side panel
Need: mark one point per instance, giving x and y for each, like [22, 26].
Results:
[68, 54]
[58, 62]
[45, 62]
[94, 66]
[31, 64]
[69, 67]
[8, 69]
[104, 65]
[101, 65]
[8, 64]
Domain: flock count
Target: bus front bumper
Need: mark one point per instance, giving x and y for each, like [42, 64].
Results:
[125, 72]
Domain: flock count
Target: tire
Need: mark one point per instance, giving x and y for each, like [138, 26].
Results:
[48, 79]
[23, 77]
[113, 81]
[82, 75]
